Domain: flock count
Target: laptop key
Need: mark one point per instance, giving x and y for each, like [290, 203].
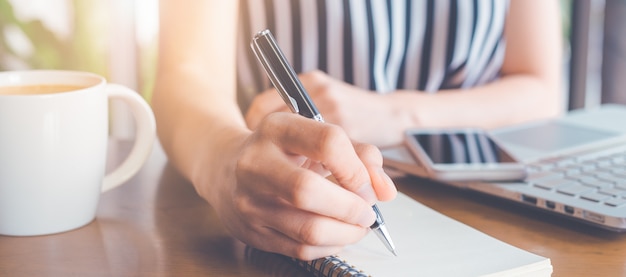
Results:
[621, 186]
[542, 166]
[574, 190]
[588, 168]
[604, 163]
[543, 176]
[566, 162]
[609, 177]
[577, 177]
[597, 183]
[618, 159]
[567, 171]
[587, 179]
[615, 202]
[552, 183]
[612, 191]
[594, 196]
[620, 172]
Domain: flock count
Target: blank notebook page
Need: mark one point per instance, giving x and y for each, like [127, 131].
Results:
[429, 243]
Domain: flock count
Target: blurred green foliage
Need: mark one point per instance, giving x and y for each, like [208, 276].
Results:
[566, 14]
[85, 49]
[77, 52]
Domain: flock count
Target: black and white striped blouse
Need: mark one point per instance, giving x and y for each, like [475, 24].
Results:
[380, 45]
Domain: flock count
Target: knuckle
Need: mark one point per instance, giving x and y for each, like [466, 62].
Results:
[269, 122]
[325, 91]
[299, 195]
[242, 204]
[333, 137]
[370, 152]
[244, 166]
[316, 75]
[245, 159]
[309, 233]
[353, 180]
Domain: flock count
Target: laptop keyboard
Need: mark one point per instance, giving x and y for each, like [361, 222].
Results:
[598, 177]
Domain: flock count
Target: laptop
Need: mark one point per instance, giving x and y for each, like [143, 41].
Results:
[576, 165]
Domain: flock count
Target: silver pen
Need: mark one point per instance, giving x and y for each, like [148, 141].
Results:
[293, 93]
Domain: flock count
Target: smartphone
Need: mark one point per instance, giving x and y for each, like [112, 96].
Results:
[464, 154]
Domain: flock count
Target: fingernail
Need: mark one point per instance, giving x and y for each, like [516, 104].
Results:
[367, 218]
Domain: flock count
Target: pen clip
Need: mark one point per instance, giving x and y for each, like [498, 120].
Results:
[294, 103]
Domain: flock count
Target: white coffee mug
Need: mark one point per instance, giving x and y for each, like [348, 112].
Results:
[53, 143]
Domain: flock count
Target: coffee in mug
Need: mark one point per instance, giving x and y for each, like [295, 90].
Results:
[37, 89]
[53, 143]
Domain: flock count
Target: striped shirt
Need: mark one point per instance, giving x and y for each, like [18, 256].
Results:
[379, 45]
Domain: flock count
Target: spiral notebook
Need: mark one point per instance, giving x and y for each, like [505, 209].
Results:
[428, 244]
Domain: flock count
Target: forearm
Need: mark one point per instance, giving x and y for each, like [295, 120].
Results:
[194, 99]
[195, 127]
[510, 100]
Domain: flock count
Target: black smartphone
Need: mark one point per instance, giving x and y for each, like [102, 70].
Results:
[463, 154]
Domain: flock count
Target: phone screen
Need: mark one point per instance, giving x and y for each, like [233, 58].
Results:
[462, 148]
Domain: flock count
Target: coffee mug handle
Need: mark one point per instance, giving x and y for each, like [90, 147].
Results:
[144, 138]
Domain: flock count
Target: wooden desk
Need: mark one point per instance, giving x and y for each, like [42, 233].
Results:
[156, 225]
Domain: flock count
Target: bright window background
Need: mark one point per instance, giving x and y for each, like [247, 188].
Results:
[114, 38]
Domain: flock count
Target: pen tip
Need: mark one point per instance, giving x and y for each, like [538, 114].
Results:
[394, 253]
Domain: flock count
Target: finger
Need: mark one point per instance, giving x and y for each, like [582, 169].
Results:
[372, 158]
[273, 173]
[270, 99]
[263, 104]
[309, 228]
[325, 143]
[314, 79]
[273, 241]
[309, 191]
[322, 237]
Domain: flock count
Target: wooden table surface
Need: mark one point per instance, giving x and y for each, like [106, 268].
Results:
[156, 225]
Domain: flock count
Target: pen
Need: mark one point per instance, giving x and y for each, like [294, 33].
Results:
[295, 96]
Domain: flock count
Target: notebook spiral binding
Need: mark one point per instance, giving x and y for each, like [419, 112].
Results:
[279, 265]
[331, 266]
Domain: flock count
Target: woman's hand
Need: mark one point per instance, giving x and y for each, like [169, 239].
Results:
[359, 112]
[278, 198]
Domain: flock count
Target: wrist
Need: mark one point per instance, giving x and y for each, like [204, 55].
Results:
[401, 110]
[214, 161]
